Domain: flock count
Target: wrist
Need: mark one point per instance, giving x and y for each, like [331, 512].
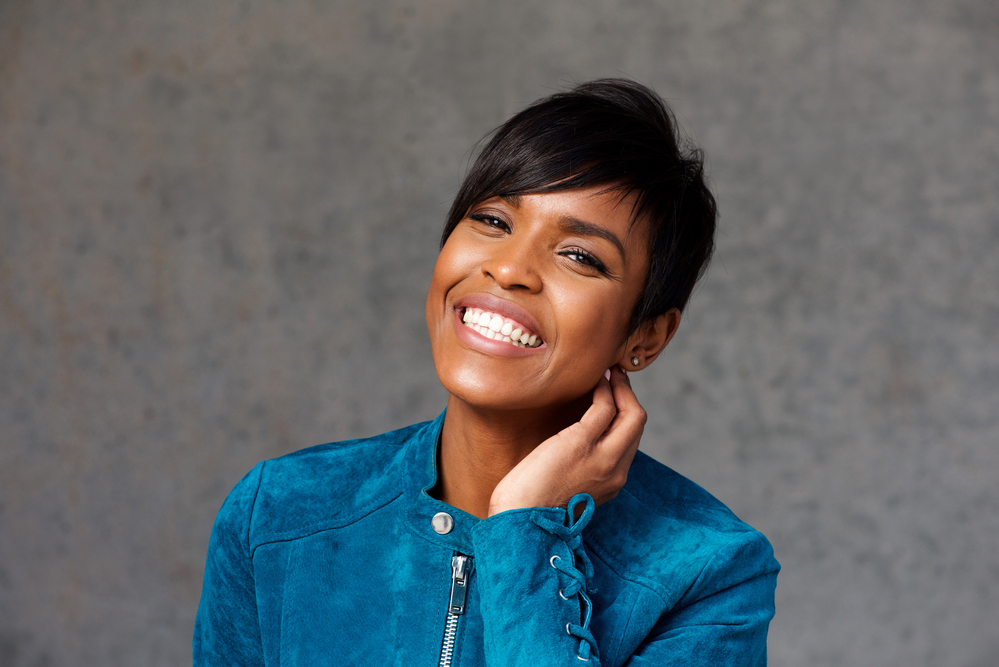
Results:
[501, 504]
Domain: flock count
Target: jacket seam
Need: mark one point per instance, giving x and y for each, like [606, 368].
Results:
[712, 625]
[742, 537]
[330, 524]
[253, 509]
[605, 558]
[624, 633]
[664, 593]
[291, 567]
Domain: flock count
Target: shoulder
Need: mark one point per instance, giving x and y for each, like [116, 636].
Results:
[320, 487]
[668, 534]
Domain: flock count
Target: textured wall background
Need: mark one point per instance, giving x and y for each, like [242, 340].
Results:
[219, 219]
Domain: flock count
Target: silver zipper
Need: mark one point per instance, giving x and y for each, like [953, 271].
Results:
[461, 571]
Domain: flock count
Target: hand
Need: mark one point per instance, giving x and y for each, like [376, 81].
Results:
[593, 455]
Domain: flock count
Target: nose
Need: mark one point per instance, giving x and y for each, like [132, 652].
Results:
[514, 266]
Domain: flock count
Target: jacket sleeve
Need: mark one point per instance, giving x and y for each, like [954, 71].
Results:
[227, 629]
[722, 619]
[536, 612]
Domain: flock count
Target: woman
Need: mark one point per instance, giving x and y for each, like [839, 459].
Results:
[522, 526]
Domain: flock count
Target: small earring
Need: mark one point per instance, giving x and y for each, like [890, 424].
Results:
[634, 361]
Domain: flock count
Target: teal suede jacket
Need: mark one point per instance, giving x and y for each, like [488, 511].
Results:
[337, 555]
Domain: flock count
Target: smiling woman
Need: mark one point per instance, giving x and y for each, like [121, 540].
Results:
[522, 526]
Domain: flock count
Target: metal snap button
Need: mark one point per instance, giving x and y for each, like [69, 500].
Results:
[442, 523]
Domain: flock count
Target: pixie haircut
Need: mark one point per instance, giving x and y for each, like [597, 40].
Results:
[617, 133]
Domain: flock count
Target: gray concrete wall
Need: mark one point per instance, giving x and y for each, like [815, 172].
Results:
[219, 219]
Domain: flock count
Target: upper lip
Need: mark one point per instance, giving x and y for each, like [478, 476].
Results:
[500, 306]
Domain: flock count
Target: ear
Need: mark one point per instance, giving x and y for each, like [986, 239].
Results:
[649, 340]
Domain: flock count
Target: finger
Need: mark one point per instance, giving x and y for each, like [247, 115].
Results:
[625, 400]
[625, 432]
[601, 412]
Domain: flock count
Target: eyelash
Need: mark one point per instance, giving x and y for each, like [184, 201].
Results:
[490, 220]
[585, 258]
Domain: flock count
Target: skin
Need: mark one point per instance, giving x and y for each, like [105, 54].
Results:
[538, 427]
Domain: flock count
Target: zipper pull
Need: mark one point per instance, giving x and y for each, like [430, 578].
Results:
[461, 570]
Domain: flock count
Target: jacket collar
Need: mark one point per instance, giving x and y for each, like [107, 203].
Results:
[421, 476]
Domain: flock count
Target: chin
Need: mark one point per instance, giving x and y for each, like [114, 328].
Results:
[468, 385]
[473, 386]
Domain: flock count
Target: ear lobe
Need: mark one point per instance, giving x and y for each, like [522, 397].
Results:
[648, 341]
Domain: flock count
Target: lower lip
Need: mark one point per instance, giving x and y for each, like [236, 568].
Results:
[497, 348]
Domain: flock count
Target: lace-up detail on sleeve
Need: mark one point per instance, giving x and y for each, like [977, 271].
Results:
[578, 580]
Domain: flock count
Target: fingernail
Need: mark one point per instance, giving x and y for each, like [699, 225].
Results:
[607, 374]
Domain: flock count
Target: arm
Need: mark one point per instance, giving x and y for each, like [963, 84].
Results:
[535, 609]
[721, 620]
[227, 630]
[535, 606]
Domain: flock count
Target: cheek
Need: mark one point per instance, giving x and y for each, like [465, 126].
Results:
[593, 326]
[436, 308]
[454, 263]
[443, 276]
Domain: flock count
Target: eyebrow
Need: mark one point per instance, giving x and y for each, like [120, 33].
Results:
[577, 226]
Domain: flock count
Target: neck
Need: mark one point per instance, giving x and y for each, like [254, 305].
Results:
[480, 446]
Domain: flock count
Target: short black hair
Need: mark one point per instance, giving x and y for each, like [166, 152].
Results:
[618, 133]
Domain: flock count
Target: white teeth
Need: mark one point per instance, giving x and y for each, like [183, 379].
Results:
[496, 327]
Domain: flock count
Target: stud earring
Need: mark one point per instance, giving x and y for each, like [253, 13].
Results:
[634, 361]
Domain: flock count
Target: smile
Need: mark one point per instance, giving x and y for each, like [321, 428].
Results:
[499, 328]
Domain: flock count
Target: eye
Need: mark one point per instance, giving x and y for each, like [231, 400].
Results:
[490, 221]
[582, 257]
